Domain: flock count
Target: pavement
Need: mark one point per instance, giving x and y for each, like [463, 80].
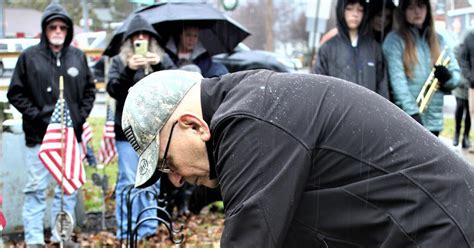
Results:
[99, 110]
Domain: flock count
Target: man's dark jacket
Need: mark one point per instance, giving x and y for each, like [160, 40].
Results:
[34, 87]
[466, 57]
[362, 64]
[121, 77]
[314, 161]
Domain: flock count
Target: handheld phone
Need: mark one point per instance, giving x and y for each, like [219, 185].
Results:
[140, 47]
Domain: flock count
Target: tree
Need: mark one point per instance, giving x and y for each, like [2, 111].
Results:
[250, 16]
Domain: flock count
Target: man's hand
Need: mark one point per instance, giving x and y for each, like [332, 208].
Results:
[137, 61]
[152, 58]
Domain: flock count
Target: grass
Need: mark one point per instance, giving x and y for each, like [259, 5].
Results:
[92, 193]
[448, 129]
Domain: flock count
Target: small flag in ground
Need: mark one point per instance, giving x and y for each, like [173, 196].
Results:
[86, 138]
[55, 142]
[107, 146]
[3, 222]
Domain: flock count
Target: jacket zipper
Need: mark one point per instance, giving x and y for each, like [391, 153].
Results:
[58, 60]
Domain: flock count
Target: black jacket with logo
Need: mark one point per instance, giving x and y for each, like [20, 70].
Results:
[34, 87]
[314, 161]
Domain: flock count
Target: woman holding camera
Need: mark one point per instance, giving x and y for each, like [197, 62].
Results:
[139, 55]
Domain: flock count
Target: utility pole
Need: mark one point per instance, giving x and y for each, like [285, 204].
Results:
[2, 18]
[315, 35]
[85, 15]
[269, 25]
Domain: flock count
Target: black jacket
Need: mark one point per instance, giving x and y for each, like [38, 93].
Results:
[466, 57]
[34, 87]
[121, 77]
[362, 64]
[314, 161]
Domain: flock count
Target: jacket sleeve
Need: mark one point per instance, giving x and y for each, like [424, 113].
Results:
[321, 66]
[88, 98]
[453, 67]
[18, 92]
[262, 172]
[121, 78]
[393, 53]
[165, 64]
[382, 80]
[464, 60]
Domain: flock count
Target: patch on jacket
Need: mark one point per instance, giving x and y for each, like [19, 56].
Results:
[73, 71]
[370, 63]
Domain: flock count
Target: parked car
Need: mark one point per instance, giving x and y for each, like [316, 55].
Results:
[244, 58]
[13, 45]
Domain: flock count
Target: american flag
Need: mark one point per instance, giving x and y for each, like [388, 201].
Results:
[107, 146]
[51, 155]
[3, 222]
[86, 138]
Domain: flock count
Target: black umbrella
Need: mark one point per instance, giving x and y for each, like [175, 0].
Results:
[219, 33]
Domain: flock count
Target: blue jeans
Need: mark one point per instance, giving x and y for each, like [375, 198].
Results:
[90, 157]
[127, 162]
[35, 198]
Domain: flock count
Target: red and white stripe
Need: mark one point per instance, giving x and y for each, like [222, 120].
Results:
[107, 147]
[86, 138]
[51, 156]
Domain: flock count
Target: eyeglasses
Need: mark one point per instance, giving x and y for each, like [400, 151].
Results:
[164, 167]
[54, 27]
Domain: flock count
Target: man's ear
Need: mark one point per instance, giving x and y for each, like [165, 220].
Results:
[189, 120]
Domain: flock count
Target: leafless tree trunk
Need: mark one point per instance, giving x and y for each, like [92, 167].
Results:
[269, 25]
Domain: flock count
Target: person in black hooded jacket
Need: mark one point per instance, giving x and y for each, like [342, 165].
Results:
[353, 54]
[34, 91]
[126, 69]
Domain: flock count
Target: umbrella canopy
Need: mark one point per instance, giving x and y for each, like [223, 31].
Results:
[219, 33]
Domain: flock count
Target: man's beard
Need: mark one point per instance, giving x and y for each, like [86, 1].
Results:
[57, 41]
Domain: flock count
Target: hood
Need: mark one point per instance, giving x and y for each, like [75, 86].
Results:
[139, 24]
[53, 11]
[341, 23]
[173, 48]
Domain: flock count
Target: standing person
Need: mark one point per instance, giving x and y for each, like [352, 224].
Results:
[185, 48]
[34, 91]
[466, 62]
[126, 69]
[302, 160]
[462, 108]
[381, 18]
[352, 54]
[411, 52]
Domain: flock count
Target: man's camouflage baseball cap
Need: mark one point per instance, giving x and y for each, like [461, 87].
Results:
[148, 106]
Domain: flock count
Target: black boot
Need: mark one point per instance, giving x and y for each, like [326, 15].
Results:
[465, 141]
[456, 139]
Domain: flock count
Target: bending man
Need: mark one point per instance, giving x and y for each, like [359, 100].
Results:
[302, 160]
